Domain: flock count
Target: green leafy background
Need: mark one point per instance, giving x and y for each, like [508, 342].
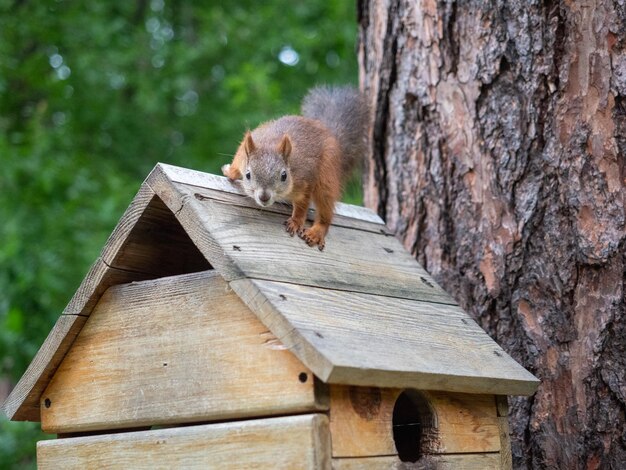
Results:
[93, 94]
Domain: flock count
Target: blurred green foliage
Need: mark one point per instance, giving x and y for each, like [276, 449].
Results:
[93, 94]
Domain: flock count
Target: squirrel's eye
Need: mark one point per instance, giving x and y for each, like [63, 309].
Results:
[283, 175]
[248, 174]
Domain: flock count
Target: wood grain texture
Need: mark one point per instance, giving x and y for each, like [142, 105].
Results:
[171, 228]
[282, 443]
[250, 242]
[173, 350]
[361, 339]
[488, 461]
[361, 422]
[220, 183]
[466, 422]
[240, 200]
[506, 459]
[113, 266]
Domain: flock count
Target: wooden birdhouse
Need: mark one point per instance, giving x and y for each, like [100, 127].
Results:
[204, 336]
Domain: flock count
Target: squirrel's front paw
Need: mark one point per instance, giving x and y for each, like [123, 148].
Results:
[312, 237]
[293, 227]
[230, 173]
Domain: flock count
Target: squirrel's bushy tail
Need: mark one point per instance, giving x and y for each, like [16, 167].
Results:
[344, 111]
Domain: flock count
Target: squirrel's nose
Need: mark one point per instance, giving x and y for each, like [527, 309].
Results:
[264, 197]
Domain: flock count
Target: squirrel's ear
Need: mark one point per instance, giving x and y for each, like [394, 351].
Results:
[248, 144]
[284, 148]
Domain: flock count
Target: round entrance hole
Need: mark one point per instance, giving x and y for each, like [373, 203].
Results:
[413, 423]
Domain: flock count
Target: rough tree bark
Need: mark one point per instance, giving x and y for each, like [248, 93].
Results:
[499, 136]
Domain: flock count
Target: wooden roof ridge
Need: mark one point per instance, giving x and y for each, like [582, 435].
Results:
[212, 224]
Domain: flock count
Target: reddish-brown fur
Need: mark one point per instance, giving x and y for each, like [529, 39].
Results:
[315, 166]
[304, 158]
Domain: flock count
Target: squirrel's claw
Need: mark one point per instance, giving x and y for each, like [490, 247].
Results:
[312, 238]
[293, 227]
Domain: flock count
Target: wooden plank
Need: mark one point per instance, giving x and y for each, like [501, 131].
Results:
[361, 422]
[370, 340]
[249, 242]
[488, 461]
[506, 458]
[241, 200]
[465, 423]
[174, 350]
[220, 183]
[285, 442]
[23, 402]
[266, 251]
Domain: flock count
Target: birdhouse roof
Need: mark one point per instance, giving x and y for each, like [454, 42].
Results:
[361, 312]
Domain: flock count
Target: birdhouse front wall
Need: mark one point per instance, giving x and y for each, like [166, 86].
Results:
[174, 350]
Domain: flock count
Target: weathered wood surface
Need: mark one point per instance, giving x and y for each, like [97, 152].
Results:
[499, 150]
[250, 242]
[283, 209]
[432, 462]
[282, 443]
[465, 422]
[353, 260]
[361, 420]
[173, 350]
[362, 339]
[502, 406]
[220, 183]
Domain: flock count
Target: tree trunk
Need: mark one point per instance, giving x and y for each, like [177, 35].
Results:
[499, 135]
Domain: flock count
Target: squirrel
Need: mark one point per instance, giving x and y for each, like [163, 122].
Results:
[302, 158]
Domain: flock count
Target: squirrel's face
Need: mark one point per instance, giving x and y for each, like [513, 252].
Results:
[266, 176]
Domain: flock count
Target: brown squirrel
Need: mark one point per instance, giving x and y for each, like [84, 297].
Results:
[304, 158]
